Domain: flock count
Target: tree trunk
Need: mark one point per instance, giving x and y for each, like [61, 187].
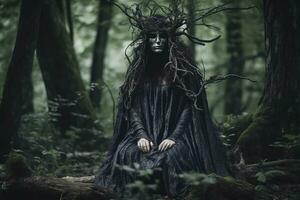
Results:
[17, 94]
[233, 87]
[191, 5]
[97, 68]
[27, 104]
[69, 104]
[69, 19]
[279, 110]
[65, 10]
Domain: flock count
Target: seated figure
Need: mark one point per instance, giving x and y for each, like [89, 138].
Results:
[163, 120]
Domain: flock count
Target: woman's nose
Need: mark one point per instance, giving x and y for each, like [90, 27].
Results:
[157, 39]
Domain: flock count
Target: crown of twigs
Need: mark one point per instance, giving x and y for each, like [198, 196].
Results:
[148, 16]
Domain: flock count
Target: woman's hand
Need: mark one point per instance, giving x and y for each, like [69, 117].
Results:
[144, 144]
[166, 144]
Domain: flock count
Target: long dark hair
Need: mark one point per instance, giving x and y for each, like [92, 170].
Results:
[178, 66]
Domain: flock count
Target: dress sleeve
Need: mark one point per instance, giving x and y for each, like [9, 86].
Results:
[137, 125]
[182, 122]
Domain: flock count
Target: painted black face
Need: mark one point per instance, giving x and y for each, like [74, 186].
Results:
[157, 41]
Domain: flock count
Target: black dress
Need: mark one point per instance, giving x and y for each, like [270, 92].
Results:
[163, 112]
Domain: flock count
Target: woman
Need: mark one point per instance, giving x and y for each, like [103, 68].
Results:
[163, 120]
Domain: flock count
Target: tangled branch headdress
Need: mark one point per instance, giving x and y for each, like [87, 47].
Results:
[149, 16]
[146, 17]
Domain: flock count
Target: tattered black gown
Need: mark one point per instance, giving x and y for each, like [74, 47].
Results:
[159, 112]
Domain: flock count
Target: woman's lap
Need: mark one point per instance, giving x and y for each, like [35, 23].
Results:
[177, 156]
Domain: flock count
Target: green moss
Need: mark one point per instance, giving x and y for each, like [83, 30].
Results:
[263, 130]
[16, 166]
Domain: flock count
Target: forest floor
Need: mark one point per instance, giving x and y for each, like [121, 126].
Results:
[47, 165]
[276, 182]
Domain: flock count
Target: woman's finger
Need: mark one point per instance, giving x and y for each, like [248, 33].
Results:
[144, 146]
[172, 143]
[169, 144]
[164, 146]
[159, 147]
[139, 145]
[147, 146]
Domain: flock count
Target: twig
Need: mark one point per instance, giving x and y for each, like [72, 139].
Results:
[274, 163]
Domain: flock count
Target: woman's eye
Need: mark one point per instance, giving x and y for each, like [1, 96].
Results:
[163, 35]
[152, 35]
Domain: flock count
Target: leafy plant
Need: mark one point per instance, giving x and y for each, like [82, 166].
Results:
[233, 126]
[289, 142]
[48, 153]
[263, 177]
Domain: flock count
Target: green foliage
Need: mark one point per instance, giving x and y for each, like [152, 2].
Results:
[148, 182]
[48, 153]
[233, 126]
[264, 177]
[146, 185]
[198, 179]
[290, 143]
[199, 182]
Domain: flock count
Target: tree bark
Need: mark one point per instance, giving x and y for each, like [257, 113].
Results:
[17, 94]
[69, 104]
[69, 19]
[279, 110]
[191, 5]
[65, 10]
[233, 87]
[97, 68]
[27, 104]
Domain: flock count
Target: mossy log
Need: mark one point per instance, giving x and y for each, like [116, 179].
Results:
[50, 188]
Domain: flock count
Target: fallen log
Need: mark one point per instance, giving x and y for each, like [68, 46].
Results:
[50, 188]
[81, 188]
[83, 179]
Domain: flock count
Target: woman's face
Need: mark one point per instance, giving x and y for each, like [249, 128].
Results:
[157, 41]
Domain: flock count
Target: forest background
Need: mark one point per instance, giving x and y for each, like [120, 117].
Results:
[62, 63]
